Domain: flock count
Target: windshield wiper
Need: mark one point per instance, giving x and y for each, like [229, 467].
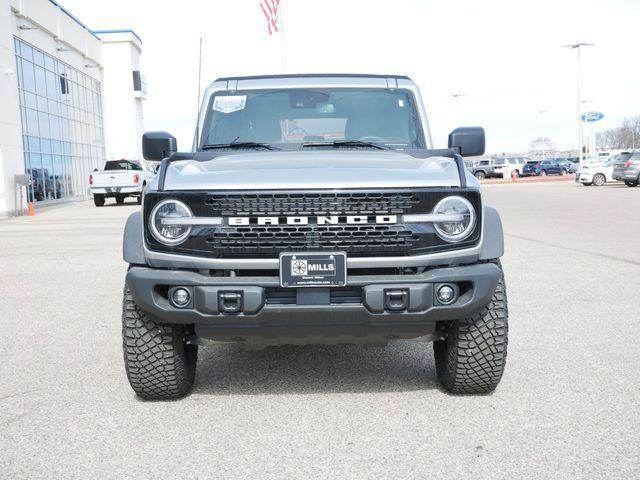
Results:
[345, 143]
[212, 146]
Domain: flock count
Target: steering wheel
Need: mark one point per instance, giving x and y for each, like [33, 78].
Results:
[372, 138]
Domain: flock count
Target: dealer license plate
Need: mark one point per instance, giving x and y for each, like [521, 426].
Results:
[313, 269]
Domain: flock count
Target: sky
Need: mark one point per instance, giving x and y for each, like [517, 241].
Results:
[505, 57]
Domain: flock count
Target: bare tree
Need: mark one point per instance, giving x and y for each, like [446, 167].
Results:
[625, 136]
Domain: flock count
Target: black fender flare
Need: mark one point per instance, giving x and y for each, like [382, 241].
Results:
[133, 240]
[492, 235]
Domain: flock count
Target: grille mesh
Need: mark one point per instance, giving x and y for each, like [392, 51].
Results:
[312, 204]
[273, 239]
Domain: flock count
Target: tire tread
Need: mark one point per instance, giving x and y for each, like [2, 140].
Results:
[159, 365]
[473, 356]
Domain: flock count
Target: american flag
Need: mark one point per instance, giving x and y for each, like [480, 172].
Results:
[270, 8]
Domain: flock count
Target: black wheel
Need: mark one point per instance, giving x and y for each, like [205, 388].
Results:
[120, 199]
[159, 363]
[631, 183]
[98, 199]
[543, 173]
[480, 175]
[472, 358]
[139, 200]
[587, 184]
[599, 179]
[563, 172]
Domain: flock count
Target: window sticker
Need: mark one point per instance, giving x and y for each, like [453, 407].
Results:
[228, 104]
[401, 103]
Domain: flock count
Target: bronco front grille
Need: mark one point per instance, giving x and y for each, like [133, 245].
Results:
[260, 241]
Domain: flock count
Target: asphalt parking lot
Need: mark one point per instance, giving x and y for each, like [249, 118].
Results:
[568, 406]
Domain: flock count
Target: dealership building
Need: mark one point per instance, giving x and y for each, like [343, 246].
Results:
[70, 99]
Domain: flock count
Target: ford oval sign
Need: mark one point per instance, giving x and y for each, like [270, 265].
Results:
[592, 116]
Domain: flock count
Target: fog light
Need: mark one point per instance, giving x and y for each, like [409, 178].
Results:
[181, 297]
[446, 294]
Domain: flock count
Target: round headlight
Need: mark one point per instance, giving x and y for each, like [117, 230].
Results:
[165, 225]
[455, 231]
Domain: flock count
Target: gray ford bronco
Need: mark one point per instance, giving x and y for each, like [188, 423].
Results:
[313, 209]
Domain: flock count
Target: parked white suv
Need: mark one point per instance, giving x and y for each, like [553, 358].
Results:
[504, 167]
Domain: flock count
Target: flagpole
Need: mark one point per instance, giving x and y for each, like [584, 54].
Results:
[283, 52]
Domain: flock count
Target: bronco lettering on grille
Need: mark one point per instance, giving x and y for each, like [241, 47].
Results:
[322, 220]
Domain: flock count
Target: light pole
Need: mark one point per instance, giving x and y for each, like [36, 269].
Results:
[577, 47]
[542, 138]
[591, 142]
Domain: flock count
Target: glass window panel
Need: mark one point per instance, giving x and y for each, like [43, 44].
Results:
[37, 177]
[32, 122]
[23, 119]
[57, 176]
[54, 127]
[53, 106]
[45, 145]
[47, 172]
[43, 124]
[26, 51]
[49, 63]
[28, 76]
[30, 100]
[68, 170]
[41, 82]
[28, 171]
[64, 109]
[67, 148]
[52, 85]
[38, 57]
[56, 146]
[34, 144]
[19, 71]
[66, 134]
[43, 104]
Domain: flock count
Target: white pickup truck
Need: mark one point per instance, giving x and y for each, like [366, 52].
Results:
[119, 179]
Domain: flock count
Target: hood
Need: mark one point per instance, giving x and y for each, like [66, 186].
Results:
[313, 169]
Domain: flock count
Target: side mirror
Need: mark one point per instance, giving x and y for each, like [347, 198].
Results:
[470, 141]
[158, 145]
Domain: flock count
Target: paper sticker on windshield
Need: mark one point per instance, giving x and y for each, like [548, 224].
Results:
[228, 104]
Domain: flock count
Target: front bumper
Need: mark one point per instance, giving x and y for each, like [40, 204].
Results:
[313, 311]
[585, 177]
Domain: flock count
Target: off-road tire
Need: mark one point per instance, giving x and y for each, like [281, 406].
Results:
[631, 183]
[480, 175]
[98, 200]
[120, 199]
[159, 363]
[472, 357]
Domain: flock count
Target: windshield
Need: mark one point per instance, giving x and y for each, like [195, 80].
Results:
[288, 118]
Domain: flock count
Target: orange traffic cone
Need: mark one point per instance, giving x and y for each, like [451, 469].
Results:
[31, 212]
